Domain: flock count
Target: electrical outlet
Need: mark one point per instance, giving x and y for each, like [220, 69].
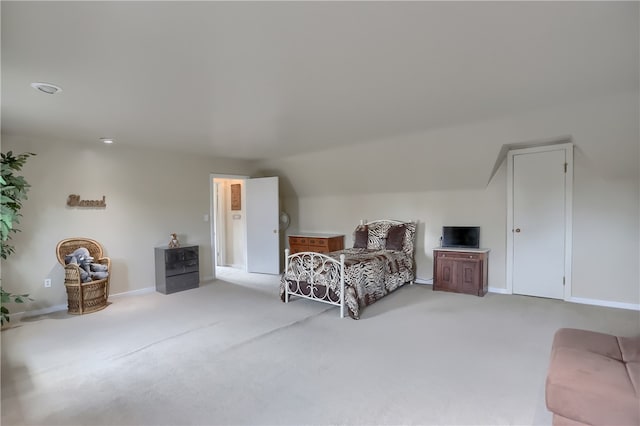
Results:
[47, 282]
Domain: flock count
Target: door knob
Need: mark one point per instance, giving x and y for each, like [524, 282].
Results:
[517, 229]
[275, 231]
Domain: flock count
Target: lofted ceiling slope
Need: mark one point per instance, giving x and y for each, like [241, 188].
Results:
[262, 80]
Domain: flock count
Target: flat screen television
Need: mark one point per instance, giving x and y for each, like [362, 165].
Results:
[461, 236]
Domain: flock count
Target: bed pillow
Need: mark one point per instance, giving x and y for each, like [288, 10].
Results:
[361, 236]
[377, 235]
[395, 237]
[409, 238]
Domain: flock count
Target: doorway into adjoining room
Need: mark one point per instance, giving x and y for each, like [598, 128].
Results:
[244, 224]
[229, 223]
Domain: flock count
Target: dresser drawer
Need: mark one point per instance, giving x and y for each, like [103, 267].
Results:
[298, 249]
[459, 255]
[319, 243]
[182, 282]
[182, 267]
[298, 241]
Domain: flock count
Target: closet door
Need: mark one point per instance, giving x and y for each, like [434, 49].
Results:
[539, 226]
[263, 238]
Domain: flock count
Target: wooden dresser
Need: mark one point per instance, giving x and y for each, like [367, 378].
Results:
[319, 243]
[461, 270]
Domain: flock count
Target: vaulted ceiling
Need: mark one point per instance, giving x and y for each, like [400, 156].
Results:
[260, 80]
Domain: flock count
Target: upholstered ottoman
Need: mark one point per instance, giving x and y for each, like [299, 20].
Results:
[593, 379]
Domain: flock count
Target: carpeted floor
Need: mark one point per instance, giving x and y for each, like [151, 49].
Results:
[230, 353]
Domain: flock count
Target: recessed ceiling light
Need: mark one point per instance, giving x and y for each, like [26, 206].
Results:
[106, 140]
[48, 88]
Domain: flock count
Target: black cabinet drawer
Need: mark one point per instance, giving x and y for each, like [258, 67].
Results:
[182, 267]
[182, 282]
[180, 254]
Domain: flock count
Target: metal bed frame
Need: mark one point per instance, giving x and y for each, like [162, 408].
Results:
[317, 269]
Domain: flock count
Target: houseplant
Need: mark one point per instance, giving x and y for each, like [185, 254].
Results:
[12, 194]
[7, 298]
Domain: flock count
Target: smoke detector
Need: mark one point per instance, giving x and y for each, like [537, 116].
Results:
[48, 88]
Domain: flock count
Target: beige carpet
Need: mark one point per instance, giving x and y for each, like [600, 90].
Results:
[229, 353]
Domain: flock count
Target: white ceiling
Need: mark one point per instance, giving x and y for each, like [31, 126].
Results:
[265, 79]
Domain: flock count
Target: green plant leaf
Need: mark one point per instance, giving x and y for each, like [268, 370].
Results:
[13, 193]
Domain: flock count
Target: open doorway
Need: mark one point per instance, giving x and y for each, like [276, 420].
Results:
[245, 224]
[229, 223]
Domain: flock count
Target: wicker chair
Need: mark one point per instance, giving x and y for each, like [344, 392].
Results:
[84, 298]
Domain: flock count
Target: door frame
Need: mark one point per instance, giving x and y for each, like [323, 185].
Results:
[568, 211]
[212, 217]
[219, 243]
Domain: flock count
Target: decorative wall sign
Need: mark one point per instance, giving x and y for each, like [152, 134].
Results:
[74, 201]
[235, 197]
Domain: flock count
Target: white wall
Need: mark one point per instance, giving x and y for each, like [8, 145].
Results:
[433, 209]
[440, 177]
[149, 194]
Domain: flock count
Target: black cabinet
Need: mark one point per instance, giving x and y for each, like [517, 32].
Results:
[177, 269]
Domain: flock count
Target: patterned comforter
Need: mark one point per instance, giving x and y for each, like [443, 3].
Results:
[369, 275]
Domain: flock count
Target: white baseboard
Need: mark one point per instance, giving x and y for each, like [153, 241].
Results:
[44, 311]
[134, 292]
[206, 279]
[607, 303]
[56, 308]
[491, 289]
[584, 301]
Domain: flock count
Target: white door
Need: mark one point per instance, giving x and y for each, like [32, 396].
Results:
[539, 223]
[263, 239]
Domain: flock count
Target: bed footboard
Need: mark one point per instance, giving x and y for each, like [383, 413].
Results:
[314, 276]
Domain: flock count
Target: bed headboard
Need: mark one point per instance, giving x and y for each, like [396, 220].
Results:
[378, 230]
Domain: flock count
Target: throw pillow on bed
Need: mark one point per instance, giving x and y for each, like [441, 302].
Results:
[361, 236]
[395, 237]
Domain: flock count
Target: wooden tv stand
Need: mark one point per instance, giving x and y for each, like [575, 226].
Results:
[461, 270]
